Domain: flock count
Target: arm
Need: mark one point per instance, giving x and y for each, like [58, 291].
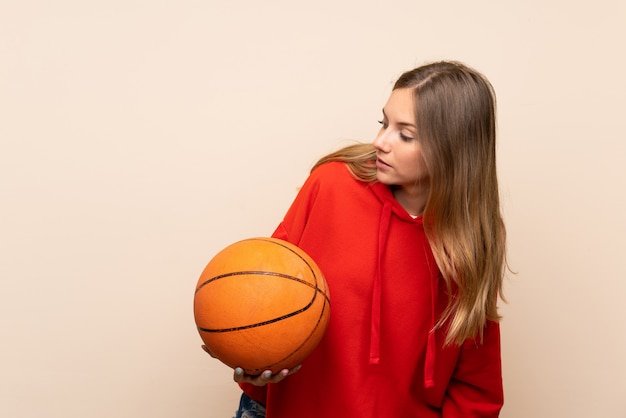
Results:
[475, 388]
[290, 229]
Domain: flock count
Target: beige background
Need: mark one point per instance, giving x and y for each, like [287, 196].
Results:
[140, 137]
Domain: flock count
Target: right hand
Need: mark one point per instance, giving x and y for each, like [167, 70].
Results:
[264, 378]
[258, 380]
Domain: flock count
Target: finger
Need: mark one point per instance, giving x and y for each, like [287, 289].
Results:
[294, 370]
[257, 380]
[283, 374]
[264, 378]
[279, 376]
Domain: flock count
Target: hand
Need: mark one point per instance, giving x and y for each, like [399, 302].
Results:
[258, 380]
[264, 378]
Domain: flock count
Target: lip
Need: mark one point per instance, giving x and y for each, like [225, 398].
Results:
[381, 164]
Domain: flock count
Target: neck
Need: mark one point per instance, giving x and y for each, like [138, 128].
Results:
[412, 199]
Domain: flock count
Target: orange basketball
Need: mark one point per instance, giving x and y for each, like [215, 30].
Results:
[261, 304]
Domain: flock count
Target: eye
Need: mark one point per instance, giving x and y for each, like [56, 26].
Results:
[405, 138]
[383, 123]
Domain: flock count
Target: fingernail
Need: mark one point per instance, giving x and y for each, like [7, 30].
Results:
[267, 374]
[238, 371]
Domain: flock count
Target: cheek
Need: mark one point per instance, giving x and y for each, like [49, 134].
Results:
[420, 171]
[415, 161]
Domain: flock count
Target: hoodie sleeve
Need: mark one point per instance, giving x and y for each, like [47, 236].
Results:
[475, 389]
[295, 221]
[290, 229]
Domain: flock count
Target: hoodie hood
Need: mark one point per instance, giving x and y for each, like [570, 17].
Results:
[391, 207]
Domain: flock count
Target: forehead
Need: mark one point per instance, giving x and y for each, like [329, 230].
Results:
[401, 105]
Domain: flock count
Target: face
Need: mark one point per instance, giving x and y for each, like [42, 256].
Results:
[399, 159]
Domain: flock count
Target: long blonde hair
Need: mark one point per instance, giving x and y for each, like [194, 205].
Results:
[455, 110]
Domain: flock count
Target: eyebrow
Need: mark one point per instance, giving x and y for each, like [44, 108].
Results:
[407, 124]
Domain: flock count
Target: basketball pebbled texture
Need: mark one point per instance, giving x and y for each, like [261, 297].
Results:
[261, 304]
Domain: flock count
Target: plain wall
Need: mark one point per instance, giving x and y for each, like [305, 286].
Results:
[138, 138]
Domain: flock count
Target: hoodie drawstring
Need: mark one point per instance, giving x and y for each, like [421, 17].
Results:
[431, 345]
[375, 336]
[383, 229]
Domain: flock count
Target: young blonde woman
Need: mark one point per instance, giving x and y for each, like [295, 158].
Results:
[408, 233]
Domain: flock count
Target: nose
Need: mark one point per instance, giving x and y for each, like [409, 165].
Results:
[381, 142]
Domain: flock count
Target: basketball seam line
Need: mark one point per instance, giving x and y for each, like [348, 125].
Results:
[263, 273]
[260, 324]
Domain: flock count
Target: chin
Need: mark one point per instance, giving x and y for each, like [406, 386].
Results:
[384, 179]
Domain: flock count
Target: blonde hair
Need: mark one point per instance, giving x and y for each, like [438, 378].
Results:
[456, 126]
[359, 157]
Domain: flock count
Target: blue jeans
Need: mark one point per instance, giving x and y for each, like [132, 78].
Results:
[249, 408]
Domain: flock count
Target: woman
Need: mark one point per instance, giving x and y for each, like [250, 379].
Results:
[409, 235]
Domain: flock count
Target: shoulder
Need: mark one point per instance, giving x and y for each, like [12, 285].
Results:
[333, 181]
[335, 177]
[333, 172]
[326, 178]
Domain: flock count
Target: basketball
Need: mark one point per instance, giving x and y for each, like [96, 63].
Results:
[261, 304]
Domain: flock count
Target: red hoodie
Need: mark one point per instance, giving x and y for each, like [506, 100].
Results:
[378, 358]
